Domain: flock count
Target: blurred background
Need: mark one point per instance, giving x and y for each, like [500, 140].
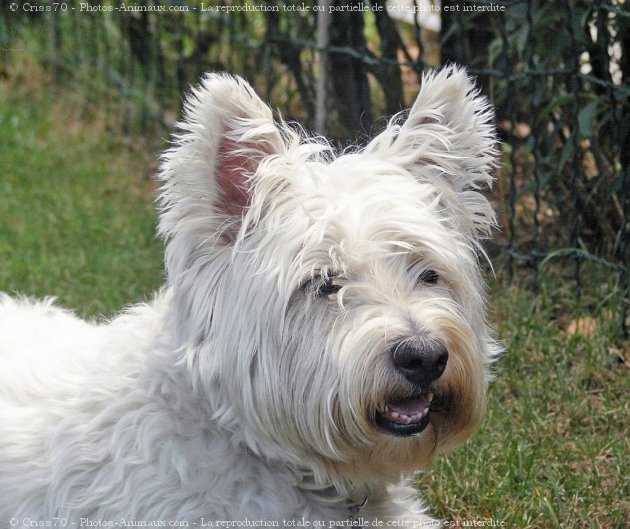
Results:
[558, 74]
[89, 93]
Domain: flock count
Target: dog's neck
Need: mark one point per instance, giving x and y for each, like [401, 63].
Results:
[351, 497]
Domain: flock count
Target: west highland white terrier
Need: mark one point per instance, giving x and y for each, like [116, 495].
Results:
[321, 336]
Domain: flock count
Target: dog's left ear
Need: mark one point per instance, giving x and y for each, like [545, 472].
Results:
[448, 139]
[226, 132]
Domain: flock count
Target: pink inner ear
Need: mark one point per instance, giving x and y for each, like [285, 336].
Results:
[429, 119]
[230, 173]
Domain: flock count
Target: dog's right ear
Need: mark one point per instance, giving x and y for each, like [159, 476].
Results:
[208, 174]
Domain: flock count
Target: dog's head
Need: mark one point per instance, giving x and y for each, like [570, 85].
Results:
[332, 306]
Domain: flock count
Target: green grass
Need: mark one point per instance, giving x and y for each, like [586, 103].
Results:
[554, 449]
[77, 221]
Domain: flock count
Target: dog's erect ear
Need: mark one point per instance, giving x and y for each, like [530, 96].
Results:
[448, 138]
[225, 133]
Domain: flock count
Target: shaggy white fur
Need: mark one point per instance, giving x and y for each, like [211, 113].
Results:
[322, 333]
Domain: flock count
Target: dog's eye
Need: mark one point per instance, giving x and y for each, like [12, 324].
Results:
[428, 277]
[321, 286]
[326, 287]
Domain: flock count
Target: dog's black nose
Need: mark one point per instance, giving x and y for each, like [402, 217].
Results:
[421, 363]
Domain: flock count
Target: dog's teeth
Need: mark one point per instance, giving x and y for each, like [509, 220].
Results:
[430, 397]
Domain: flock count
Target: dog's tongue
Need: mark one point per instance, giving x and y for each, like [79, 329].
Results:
[407, 411]
[410, 406]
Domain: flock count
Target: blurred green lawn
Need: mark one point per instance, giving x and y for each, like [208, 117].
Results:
[77, 221]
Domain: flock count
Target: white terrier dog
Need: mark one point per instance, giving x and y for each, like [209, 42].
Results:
[322, 333]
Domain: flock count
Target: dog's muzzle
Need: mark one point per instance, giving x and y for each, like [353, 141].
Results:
[421, 364]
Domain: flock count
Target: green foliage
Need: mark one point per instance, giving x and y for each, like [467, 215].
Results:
[558, 77]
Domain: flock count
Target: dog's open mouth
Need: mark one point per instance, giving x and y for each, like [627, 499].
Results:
[406, 417]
